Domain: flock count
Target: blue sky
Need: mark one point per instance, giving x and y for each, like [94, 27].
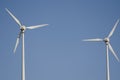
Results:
[56, 52]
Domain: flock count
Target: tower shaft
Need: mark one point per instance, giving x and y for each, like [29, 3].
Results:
[23, 57]
[107, 64]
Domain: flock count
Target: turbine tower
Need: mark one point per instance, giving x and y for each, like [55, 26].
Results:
[21, 35]
[108, 46]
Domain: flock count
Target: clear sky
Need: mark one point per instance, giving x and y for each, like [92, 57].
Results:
[56, 52]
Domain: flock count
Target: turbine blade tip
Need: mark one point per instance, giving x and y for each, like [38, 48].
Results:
[14, 51]
[6, 9]
[84, 40]
[46, 24]
[118, 20]
[118, 60]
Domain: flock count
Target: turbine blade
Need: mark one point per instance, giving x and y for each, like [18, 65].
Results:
[112, 31]
[16, 20]
[17, 42]
[94, 40]
[113, 52]
[37, 26]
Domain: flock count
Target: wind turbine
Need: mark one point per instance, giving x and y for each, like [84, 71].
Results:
[21, 35]
[108, 46]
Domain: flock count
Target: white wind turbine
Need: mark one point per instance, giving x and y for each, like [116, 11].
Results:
[108, 46]
[21, 35]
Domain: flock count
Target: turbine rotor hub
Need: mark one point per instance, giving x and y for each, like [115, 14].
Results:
[23, 28]
[106, 40]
